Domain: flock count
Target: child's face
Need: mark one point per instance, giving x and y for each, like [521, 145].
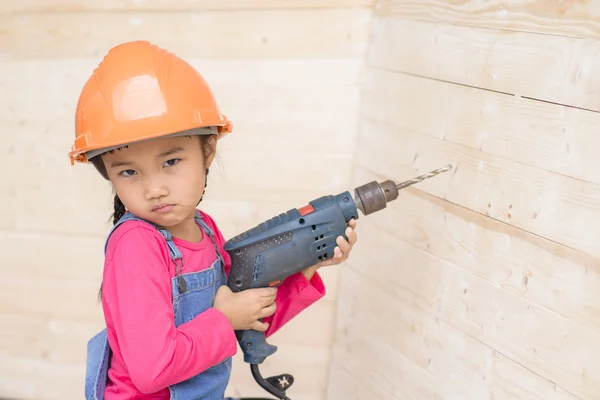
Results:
[160, 180]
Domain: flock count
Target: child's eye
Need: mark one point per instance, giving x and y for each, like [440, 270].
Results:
[127, 172]
[172, 162]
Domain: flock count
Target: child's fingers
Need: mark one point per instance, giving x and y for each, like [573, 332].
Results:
[352, 223]
[344, 247]
[351, 235]
[335, 259]
[259, 326]
[268, 310]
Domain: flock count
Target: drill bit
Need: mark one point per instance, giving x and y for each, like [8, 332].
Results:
[420, 178]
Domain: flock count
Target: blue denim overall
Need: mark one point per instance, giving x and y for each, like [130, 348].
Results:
[192, 293]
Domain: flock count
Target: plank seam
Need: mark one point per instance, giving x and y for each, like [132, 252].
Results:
[487, 216]
[374, 119]
[393, 71]
[378, 67]
[560, 104]
[400, 72]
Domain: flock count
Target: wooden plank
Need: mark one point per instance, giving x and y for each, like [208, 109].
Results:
[555, 348]
[412, 326]
[26, 378]
[543, 272]
[375, 370]
[555, 69]
[15, 292]
[46, 256]
[49, 338]
[168, 5]
[548, 136]
[225, 35]
[554, 206]
[577, 19]
[26, 79]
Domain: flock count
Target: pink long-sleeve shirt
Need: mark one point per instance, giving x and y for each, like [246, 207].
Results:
[149, 352]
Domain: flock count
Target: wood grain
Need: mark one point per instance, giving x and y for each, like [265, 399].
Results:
[288, 35]
[377, 314]
[556, 69]
[388, 374]
[566, 18]
[168, 5]
[548, 136]
[555, 348]
[553, 206]
[540, 271]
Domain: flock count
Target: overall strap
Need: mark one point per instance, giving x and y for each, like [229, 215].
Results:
[210, 234]
[174, 252]
[128, 216]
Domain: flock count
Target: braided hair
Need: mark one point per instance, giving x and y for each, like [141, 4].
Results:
[119, 209]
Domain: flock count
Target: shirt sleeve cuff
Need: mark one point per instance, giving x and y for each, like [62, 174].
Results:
[313, 289]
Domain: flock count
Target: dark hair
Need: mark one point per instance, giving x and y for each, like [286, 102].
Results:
[119, 208]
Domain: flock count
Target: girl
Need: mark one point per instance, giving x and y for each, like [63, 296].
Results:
[149, 124]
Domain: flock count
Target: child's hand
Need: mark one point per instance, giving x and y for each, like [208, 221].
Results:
[344, 247]
[340, 253]
[244, 309]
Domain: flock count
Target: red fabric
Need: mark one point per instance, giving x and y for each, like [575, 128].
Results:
[149, 352]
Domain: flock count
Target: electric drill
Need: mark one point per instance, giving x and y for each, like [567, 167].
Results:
[292, 241]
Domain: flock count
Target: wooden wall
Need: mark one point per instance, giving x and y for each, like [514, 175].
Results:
[284, 71]
[482, 283]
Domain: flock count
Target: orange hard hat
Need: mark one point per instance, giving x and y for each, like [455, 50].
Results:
[140, 91]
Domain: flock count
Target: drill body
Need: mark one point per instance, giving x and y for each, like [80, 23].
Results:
[282, 246]
[290, 242]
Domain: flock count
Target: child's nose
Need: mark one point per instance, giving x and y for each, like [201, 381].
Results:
[155, 188]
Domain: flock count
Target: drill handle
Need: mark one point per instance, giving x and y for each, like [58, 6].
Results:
[254, 346]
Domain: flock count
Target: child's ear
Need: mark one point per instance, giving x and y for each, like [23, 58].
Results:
[212, 145]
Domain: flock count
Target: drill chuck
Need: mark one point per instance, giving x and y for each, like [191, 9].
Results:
[374, 196]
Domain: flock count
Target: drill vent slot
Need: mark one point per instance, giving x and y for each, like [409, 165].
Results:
[258, 249]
